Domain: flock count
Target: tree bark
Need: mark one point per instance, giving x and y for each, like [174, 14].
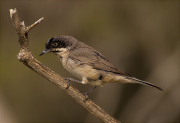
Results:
[28, 59]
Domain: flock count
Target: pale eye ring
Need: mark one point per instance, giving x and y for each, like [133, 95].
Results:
[55, 44]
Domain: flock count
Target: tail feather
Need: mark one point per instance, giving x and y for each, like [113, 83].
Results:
[144, 83]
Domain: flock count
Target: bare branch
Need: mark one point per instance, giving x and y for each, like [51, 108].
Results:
[34, 24]
[28, 59]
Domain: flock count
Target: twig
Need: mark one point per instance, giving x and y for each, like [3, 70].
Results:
[34, 24]
[28, 59]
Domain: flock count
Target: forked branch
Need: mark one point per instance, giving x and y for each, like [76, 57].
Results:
[28, 59]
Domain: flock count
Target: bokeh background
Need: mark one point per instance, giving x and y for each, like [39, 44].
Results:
[139, 37]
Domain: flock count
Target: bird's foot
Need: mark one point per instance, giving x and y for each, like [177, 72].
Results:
[70, 79]
[86, 96]
[68, 84]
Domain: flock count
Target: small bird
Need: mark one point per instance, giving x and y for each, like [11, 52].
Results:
[87, 64]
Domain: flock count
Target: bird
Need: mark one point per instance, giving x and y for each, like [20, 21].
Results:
[87, 64]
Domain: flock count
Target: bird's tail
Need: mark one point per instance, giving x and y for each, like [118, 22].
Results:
[135, 80]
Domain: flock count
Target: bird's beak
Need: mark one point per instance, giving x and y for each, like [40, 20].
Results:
[44, 51]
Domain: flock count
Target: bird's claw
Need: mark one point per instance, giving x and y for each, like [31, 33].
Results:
[86, 96]
[68, 82]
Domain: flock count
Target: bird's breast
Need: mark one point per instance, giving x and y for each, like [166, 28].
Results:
[80, 70]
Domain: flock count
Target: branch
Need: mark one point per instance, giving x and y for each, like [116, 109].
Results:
[28, 59]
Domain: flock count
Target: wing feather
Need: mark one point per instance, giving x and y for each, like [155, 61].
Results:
[87, 55]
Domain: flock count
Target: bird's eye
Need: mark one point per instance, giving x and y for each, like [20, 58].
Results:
[55, 44]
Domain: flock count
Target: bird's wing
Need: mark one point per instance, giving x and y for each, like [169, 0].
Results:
[95, 59]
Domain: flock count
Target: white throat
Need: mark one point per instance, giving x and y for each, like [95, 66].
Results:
[62, 54]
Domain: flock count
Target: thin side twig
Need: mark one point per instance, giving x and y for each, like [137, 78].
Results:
[28, 59]
[34, 24]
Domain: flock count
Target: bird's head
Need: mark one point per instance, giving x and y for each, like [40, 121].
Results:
[58, 44]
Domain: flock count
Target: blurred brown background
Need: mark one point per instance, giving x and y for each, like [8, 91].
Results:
[139, 37]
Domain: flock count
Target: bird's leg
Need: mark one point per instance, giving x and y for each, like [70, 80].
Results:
[70, 79]
[87, 93]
